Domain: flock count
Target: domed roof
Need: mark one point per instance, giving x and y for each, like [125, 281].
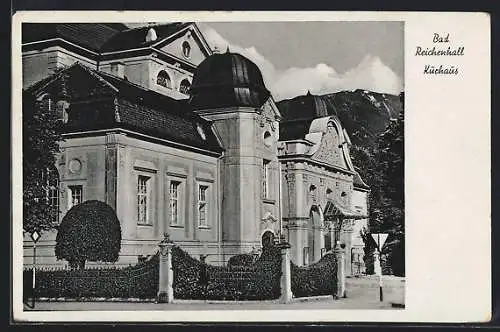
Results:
[226, 80]
[308, 106]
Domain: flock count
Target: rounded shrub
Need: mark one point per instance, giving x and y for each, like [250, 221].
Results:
[89, 231]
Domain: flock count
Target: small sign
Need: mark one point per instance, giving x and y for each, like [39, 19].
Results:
[35, 236]
[380, 239]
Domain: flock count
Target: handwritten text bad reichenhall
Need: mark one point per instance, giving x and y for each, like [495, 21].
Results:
[439, 49]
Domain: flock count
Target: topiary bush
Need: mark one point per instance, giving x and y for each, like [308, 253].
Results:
[89, 231]
[319, 278]
[242, 260]
[258, 281]
[138, 281]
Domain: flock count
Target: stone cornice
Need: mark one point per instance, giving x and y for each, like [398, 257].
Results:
[307, 159]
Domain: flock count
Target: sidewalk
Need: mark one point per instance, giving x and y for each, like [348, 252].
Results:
[362, 293]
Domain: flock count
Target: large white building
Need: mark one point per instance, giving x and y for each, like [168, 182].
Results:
[178, 138]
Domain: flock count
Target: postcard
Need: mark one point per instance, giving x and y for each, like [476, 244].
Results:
[251, 167]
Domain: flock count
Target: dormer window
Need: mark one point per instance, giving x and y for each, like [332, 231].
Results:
[184, 87]
[186, 49]
[163, 79]
[62, 110]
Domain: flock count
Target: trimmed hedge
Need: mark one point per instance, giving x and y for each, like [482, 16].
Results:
[138, 281]
[192, 279]
[319, 278]
[242, 260]
[197, 280]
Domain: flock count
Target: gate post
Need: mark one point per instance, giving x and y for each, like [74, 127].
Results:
[286, 275]
[339, 255]
[166, 275]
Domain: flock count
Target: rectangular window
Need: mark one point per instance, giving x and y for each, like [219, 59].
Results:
[174, 190]
[265, 178]
[202, 206]
[143, 199]
[75, 195]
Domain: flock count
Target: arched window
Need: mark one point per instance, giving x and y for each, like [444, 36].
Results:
[50, 182]
[163, 79]
[184, 87]
[329, 194]
[312, 192]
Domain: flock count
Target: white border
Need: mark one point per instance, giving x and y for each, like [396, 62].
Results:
[447, 174]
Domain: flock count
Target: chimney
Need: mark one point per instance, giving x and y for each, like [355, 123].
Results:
[118, 69]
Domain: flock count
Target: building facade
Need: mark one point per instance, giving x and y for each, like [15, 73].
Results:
[183, 140]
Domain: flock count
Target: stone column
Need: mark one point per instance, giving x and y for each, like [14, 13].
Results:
[286, 274]
[340, 255]
[333, 242]
[348, 229]
[166, 275]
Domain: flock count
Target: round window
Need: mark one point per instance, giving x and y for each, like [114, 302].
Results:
[186, 49]
[268, 139]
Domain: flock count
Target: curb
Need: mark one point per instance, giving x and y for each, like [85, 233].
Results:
[94, 299]
[312, 298]
[180, 301]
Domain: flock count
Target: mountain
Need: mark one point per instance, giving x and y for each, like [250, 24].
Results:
[364, 114]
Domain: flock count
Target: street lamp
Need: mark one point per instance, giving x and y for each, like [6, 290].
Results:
[34, 236]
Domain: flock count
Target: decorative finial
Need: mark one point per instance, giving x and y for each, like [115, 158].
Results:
[151, 35]
[227, 49]
[166, 237]
[308, 93]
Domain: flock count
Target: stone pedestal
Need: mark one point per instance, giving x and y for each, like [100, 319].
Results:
[340, 256]
[286, 274]
[166, 275]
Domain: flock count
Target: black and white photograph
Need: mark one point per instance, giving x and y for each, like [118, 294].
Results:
[255, 161]
[213, 165]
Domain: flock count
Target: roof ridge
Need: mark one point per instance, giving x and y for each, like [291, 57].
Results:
[51, 78]
[97, 75]
[147, 25]
[126, 81]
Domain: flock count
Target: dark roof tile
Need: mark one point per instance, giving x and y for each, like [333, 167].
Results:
[89, 35]
[138, 109]
[136, 37]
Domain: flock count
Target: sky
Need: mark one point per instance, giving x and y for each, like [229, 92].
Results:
[320, 57]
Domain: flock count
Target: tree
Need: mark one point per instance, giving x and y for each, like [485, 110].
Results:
[41, 135]
[90, 231]
[389, 209]
[382, 167]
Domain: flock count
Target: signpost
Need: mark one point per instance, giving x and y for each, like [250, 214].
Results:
[380, 240]
[34, 236]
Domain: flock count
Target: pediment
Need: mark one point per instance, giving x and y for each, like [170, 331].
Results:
[187, 45]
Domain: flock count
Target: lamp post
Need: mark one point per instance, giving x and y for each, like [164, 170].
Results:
[34, 236]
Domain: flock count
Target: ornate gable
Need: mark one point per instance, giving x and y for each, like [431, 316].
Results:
[329, 150]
